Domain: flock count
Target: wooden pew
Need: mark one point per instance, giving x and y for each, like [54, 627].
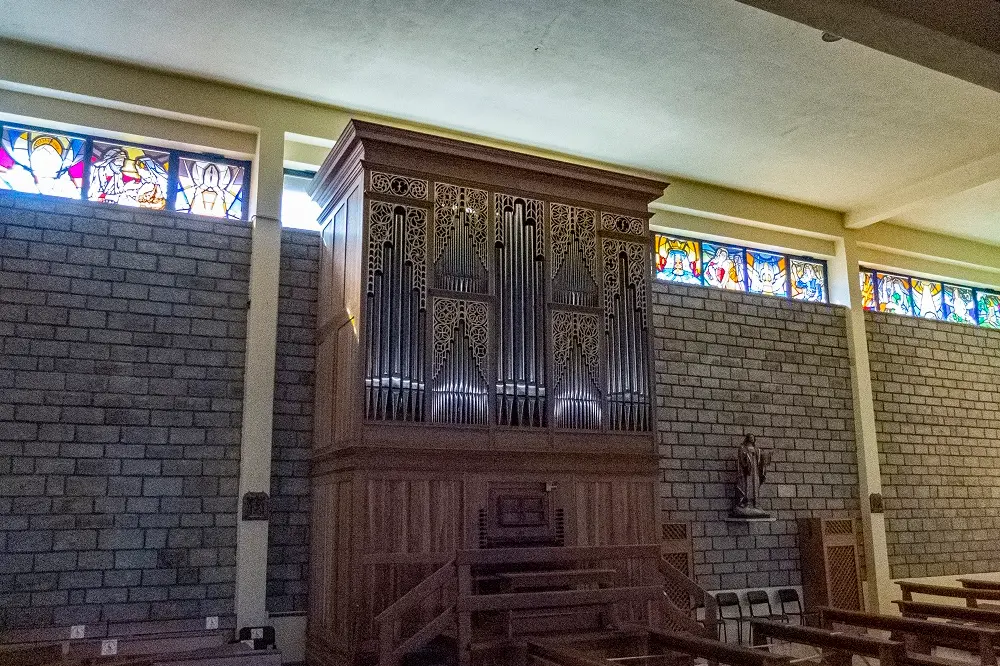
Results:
[980, 584]
[642, 646]
[972, 596]
[842, 645]
[984, 617]
[922, 634]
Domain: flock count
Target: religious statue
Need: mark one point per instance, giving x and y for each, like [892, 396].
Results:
[751, 468]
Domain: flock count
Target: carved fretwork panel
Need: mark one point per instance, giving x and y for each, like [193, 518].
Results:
[623, 224]
[519, 279]
[626, 269]
[574, 255]
[576, 389]
[396, 305]
[460, 238]
[459, 391]
[400, 186]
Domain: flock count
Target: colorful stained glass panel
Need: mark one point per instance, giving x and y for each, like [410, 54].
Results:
[892, 293]
[722, 266]
[128, 175]
[960, 304]
[868, 291]
[678, 260]
[210, 188]
[988, 305]
[808, 280]
[928, 301]
[39, 162]
[767, 273]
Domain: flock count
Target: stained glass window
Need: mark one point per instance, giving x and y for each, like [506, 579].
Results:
[988, 306]
[128, 175]
[808, 280]
[767, 273]
[41, 162]
[893, 294]
[211, 188]
[736, 268]
[868, 291]
[678, 260]
[927, 299]
[919, 297]
[960, 304]
[723, 267]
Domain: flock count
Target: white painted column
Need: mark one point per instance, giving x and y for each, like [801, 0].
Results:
[258, 382]
[845, 289]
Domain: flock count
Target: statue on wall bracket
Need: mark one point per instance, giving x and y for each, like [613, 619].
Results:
[751, 470]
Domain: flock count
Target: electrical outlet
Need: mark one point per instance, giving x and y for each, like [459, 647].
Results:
[212, 622]
[77, 630]
[109, 647]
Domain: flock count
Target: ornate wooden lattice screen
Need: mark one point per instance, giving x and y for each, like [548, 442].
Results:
[831, 567]
[458, 332]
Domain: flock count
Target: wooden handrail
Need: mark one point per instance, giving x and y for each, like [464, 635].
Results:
[556, 554]
[676, 577]
[557, 599]
[389, 653]
[716, 651]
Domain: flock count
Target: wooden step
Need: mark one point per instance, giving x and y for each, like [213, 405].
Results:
[527, 580]
[153, 644]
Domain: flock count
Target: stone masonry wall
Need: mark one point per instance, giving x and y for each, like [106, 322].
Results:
[123, 338]
[936, 387]
[288, 535]
[727, 364]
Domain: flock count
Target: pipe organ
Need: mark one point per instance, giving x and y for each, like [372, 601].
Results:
[482, 342]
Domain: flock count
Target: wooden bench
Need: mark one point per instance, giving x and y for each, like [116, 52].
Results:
[841, 646]
[972, 596]
[921, 634]
[644, 647]
[980, 583]
[985, 617]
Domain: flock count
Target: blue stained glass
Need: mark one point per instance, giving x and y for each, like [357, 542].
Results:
[723, 266]
[41, 162]
[960, 304]
[678, 260]
[893, 294]
[767, 273]
[927, 299]
[988, 304]
[808, 280]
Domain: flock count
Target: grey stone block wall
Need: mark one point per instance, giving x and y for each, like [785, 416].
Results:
[123, 338]
[727, 364]
[288, 534]
[937, 406]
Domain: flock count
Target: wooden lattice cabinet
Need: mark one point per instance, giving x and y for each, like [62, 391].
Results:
[831, 563]
[483, 375]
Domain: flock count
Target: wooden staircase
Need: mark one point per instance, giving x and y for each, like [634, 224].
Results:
[489, 603]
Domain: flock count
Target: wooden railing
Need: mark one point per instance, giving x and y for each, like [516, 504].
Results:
[619, 584]
[674, 583]
[391, 645]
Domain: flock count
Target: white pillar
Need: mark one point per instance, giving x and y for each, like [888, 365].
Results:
[845, 289]
[258, 381]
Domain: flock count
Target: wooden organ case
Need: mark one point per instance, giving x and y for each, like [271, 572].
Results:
[483, 367]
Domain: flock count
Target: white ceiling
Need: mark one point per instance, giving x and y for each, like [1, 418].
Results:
[710, 90]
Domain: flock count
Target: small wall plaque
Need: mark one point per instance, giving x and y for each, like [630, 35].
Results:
[875, 501]
[256, 506]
